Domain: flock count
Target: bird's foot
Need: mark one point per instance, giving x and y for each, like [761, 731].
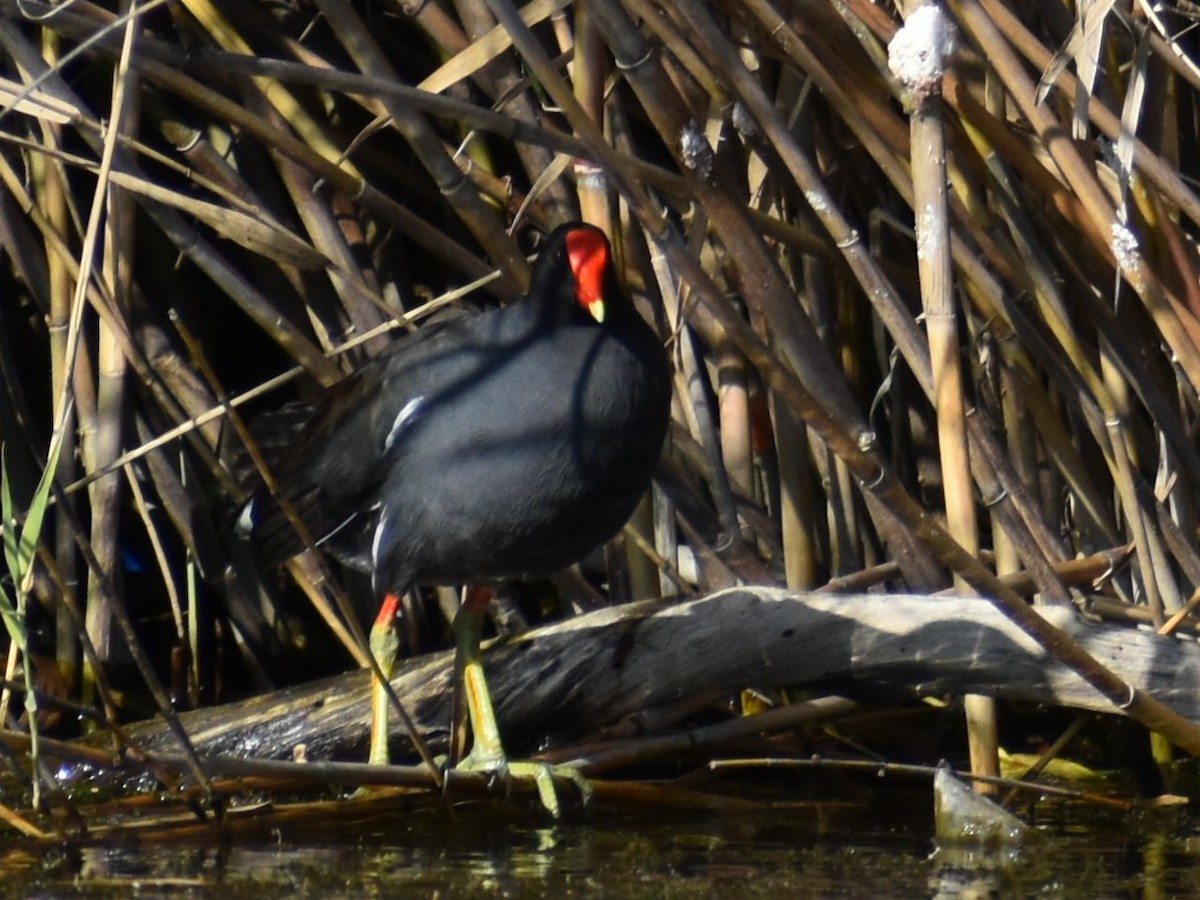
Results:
[542, 774]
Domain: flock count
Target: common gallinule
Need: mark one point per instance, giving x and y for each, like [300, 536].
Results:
[486, 448]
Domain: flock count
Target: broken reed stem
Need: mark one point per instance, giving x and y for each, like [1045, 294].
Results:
[918, 56]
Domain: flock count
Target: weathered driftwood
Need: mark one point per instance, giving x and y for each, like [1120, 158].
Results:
[594, 669]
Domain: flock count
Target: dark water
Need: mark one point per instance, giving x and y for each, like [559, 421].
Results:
[884, 852]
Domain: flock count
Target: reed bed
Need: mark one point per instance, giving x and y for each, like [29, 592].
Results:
[928, 330]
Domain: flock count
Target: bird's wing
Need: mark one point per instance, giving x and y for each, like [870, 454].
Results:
[332, 473]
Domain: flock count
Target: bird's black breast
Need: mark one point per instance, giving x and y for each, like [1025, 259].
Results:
[541, 460]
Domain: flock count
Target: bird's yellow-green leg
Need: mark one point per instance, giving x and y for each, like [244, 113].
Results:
[384, 645]
[487, 752]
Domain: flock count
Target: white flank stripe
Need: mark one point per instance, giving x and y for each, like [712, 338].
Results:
[407, 412]
[376, 542]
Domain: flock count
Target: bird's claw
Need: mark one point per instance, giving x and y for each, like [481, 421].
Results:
[543, 775]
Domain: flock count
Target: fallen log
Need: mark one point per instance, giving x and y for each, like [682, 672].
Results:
[577, 675]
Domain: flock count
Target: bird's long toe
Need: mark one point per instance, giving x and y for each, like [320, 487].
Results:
[542, 774]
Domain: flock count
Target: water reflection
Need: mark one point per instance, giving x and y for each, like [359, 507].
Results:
[887, 852]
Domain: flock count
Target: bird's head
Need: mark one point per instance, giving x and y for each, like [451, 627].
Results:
[575, 271]
[590, 259]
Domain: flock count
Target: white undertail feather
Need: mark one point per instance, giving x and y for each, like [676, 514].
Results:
[246, 519]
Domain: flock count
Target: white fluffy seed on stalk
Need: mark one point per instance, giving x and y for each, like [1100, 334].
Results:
[918, 52]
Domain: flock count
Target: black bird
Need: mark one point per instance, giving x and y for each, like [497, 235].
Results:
[486, 448]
